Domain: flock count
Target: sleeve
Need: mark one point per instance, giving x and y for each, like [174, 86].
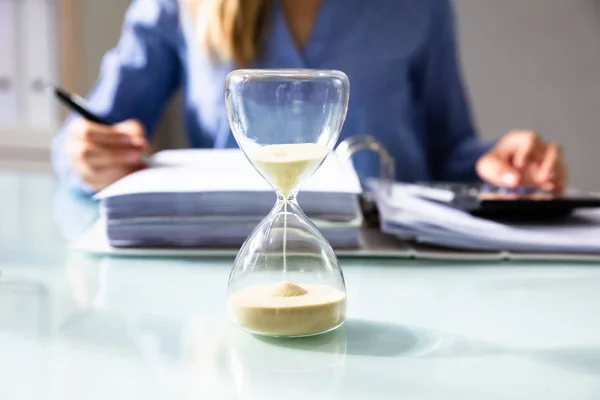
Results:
[452, 144]
[136, 78]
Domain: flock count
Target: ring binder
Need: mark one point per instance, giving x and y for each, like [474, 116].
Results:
[352, 145]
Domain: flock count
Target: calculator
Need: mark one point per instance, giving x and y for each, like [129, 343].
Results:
[494, 202]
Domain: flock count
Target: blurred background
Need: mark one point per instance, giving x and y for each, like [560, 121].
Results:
[531, 64]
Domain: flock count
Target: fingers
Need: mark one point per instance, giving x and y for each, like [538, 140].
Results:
[104, 154]
[99, 156]
[558, 179]
[551, 174]
[537, 162]
[497, 171]
[103, 136]
[103, 146]
[134, 130]
[127, 134]
[529, 146]
[550, 160]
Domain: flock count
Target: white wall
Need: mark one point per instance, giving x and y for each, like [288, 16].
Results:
[536, 64]
[101, 25]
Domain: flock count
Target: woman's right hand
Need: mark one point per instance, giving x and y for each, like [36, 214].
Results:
[104, 154]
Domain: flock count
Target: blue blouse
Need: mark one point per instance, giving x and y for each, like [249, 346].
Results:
[400, 56]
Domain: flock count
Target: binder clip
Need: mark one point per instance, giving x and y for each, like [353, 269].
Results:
[354, 144]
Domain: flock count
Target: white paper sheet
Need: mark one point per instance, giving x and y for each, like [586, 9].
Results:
[204, 170]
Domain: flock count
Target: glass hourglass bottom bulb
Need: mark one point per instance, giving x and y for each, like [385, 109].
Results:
[286, 280]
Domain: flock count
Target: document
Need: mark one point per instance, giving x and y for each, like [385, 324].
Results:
[405, 213]
[215, 198]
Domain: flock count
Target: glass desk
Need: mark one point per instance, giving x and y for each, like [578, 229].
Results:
[77, 327]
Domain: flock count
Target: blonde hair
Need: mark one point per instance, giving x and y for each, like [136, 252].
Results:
[230, 30]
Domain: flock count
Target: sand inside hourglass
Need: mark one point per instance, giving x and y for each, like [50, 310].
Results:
[286, 165]
[287, 309]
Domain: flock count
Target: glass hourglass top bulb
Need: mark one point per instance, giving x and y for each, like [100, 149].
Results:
[285, 166]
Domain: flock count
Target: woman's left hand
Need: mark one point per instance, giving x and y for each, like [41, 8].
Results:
[523, 158]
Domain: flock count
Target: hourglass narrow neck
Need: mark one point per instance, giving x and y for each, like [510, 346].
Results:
[290, 198]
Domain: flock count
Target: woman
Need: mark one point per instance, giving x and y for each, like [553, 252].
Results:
[400, 56]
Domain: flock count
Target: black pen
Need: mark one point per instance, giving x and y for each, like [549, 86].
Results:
[77, 104]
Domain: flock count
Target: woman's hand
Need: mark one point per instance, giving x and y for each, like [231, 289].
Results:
[523, 158]
[104, 154]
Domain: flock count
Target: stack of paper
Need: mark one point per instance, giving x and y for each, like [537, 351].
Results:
[215, 198]
[405, 214]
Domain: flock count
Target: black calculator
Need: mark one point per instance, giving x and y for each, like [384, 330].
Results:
[494, 202]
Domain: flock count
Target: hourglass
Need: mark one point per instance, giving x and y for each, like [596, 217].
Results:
[286, 279]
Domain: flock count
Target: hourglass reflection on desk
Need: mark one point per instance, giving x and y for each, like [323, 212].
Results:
[286, 279]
